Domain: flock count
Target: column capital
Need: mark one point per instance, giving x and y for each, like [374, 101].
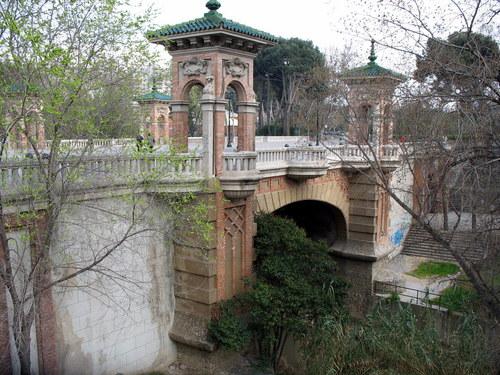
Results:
[248, 107]
[179, 105]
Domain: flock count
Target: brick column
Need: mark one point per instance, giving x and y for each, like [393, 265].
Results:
[45, 319]
[179, 130]
[247, 116]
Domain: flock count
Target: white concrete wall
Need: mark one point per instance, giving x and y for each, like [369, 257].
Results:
[115, 320]
[20, 255]
[399, 219]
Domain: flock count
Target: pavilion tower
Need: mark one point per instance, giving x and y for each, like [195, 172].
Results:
[155, 109]
[217, 55]
[371, 90]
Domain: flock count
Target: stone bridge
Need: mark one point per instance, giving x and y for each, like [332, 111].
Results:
[331, 191]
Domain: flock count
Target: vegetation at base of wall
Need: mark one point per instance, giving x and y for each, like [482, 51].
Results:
[457, 298]
[431, 268]
[394, 340]
[295, 287]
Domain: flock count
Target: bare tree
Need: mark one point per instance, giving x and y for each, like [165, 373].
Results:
[450, 138]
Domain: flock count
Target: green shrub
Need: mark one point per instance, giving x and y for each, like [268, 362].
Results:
[295, 287]
[429, 269]
[456, 298]
[229, 329]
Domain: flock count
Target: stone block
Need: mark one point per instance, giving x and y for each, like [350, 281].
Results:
[198, 267]
[193, 308]
[359, 236]
[362, 211]
[362, 228]
[363, 194]
[201, 295]
[195, 281]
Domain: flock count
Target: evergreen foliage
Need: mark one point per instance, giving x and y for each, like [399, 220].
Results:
[295, 287]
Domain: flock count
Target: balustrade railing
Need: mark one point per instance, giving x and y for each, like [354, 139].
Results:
[17, 176]
[29, 176]
[78, 144]
[240, 161]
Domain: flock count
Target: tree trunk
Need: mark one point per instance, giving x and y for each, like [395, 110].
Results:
[444, 204]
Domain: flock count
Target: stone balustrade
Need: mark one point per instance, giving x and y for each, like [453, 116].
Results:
[240, 161]
[78, 144]
[27, 177]
[239, 168]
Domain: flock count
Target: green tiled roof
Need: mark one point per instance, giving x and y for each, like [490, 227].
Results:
[154, 95]
[211, 20]
[372, 69]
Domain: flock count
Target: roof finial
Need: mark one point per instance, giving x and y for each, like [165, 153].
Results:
[372, 56]
[213, 5]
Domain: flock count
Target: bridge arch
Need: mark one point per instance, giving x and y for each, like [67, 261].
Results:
[329, 200]
[320, 220]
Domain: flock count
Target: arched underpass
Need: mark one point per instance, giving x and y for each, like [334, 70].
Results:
[320, 220]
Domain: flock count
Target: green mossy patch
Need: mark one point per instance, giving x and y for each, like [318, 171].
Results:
[431, 269]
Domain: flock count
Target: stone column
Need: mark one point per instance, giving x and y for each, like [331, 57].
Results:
[179, 126]
[247, 117]
[207, 109]
[219, 120]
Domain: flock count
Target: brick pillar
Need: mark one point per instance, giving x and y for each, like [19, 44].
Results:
[40, 134]
[153, 129]
[179, 126]
[219, 119]
[45, 318]
[247, 117]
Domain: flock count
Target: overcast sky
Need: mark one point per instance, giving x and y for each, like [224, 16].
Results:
[316, 20]
[322, 21]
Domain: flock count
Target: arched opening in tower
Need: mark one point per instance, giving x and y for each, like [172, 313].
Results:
[320, 220]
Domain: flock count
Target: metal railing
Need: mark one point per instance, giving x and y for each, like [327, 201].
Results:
[411, 295]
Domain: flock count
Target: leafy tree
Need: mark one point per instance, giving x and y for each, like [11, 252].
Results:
[281, 71]
[295, 287]
[466, 64]
[67, 61]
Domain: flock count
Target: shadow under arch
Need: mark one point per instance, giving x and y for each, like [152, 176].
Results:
[320, 220]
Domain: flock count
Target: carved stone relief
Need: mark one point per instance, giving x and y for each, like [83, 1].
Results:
[209, 87]
[236, 68]
[194, 67]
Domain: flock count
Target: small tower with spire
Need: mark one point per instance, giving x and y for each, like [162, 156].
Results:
[155, 115]
[370, 95]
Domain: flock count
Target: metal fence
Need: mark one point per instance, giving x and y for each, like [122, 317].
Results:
[416, 296]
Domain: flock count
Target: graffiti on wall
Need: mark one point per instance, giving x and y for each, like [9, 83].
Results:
[399, 235]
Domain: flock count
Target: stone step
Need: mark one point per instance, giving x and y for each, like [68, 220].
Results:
[420, 243]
